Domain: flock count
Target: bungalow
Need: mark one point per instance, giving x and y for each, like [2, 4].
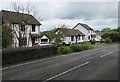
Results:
[70, 35]
[86, 30]
[74, 36]
[24, 27]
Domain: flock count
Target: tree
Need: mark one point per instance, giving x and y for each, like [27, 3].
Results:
[106, 30]
[115, 36]
[26, 8]
[108, 40]
[0, 36]
[6, 37]
[58, 34]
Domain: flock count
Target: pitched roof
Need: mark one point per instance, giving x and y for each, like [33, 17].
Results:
[19, 18]
[38, 35]
[74, 32]
[84, 25]
[100, 33]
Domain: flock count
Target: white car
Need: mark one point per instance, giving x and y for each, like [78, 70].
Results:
[43, 44]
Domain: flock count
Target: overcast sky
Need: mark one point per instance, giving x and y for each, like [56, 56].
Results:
[97, 15]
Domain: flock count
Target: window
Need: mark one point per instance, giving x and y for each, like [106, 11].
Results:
[72, 38]
[22, 27]
[33, 28]
[88, 37]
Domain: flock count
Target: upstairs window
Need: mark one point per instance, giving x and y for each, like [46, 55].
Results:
[33, 28]
[22, 27]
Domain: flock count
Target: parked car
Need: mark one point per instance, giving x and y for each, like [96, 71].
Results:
[66, 44]
[43, 44]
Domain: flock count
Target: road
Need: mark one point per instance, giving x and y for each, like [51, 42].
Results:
[100, 63]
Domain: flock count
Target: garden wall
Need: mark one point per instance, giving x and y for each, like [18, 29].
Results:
[17, 55]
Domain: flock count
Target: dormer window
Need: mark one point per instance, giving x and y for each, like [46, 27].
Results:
[33, 28]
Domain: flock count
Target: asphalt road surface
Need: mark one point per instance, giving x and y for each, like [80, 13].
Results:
[100, 63]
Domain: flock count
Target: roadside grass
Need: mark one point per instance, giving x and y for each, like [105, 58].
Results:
[99, 43]
[70, 49]
[106, 43]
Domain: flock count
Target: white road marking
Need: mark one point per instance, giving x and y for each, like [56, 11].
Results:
[106, 54]
[66, 71]
[31, 62]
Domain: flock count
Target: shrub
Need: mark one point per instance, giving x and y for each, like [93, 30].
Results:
[6, 37]
[64, 50]
[115, 36]
[85, 47]
[69, 49]
[76, 48]
[108, 40]
[92, 41]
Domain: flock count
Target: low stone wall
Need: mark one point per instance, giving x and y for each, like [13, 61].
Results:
[17, 55]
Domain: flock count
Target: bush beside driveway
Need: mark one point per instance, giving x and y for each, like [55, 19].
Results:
[75, 48]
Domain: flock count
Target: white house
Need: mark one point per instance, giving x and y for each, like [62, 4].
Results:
[24, 27]
[74, 36]
[86, 30]
[70, 35]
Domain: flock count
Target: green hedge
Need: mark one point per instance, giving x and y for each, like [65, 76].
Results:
[76, 48]
[17, 55]
[114, 36]
[108, 40]
[64, 50]
[69, 49]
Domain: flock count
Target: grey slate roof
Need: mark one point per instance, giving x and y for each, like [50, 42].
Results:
[74, 32]
[84, 25]
[100, 33]
[18, 18]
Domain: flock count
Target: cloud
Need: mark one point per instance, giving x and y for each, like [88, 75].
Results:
[77, 10]
[96, 24]
[98, 15]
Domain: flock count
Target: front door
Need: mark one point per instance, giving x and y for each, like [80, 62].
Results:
[33, 41]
